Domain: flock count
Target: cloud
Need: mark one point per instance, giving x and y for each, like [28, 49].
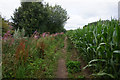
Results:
[8, 7]
[81, 12]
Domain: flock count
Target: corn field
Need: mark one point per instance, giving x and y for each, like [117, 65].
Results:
[100, 46]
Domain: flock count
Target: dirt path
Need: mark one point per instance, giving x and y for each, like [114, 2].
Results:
[62, 70]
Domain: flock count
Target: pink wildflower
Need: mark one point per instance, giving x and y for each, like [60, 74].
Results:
[35, 32]
[61, 33]
[8, 32]
[43, 35]
[35, 36]
[11, 27]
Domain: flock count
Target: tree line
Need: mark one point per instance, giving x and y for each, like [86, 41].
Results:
[39, 16]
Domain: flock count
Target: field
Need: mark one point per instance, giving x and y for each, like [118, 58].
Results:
[91, 52]
[99, 45]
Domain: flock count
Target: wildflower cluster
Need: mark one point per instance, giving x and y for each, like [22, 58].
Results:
[7, 36]
[45, 34]
[36, 35]
[56, 34]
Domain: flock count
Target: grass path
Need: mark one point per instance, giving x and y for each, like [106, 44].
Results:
[62, 70]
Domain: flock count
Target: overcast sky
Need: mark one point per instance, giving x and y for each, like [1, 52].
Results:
[81, 12]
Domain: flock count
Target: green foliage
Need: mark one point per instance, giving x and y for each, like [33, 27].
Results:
[39, 16]
[19, 34]
[8, 66]
[81, 77]
[69, 45]
[23, 58]
[5, 26]
[34, 66]
[73, 66]
[103, 74]
[99, 44]
[22, 32]
[20, 73]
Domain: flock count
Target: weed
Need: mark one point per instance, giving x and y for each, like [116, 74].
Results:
[73, 66]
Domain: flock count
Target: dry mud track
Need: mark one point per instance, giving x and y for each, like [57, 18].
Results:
[62, 70]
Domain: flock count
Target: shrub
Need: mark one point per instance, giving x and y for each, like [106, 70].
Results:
[73, 66]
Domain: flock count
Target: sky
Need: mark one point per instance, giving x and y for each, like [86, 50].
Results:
[81, 12]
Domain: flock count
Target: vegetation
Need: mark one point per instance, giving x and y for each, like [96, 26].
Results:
[73, 66]
[100, 46]
[37, 56]
[31, 57]
[39, 16]
[32, 46]
[5, 26]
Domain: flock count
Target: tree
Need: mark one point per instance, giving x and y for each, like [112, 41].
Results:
[34, 16]
[5, 26]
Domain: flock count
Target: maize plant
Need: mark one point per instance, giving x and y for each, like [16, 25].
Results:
[100, 46]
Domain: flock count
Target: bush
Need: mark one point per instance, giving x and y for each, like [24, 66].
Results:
[73, 66]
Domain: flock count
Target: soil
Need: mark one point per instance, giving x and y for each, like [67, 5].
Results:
[62, 70]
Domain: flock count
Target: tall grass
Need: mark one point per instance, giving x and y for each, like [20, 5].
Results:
[99, 45]
[31, 57]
